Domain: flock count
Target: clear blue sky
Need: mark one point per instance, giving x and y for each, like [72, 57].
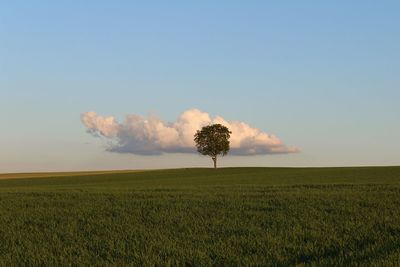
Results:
[322, 76]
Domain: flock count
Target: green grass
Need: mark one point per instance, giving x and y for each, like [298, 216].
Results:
[202, 217]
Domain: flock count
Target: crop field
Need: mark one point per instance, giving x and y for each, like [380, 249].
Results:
[202, 217]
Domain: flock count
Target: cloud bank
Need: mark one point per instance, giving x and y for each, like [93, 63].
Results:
[152, 136]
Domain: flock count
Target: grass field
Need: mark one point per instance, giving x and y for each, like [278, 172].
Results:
[203, 217]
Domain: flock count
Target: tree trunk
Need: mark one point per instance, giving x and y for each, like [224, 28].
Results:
[215, 162]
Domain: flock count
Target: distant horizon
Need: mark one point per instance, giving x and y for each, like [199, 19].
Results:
[88, 172]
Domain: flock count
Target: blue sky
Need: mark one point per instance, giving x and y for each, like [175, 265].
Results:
[323, 77]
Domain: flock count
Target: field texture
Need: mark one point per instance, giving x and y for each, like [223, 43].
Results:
[203, 217]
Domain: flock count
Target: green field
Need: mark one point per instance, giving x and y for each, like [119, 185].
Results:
[203, 217]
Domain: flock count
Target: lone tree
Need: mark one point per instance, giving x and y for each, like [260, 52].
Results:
[213, 140]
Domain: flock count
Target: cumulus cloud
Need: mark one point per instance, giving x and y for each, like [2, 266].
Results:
[152, 136]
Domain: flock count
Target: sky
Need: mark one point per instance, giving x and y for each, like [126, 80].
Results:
[320, 77]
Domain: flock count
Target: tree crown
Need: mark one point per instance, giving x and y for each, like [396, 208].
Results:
[213, 140]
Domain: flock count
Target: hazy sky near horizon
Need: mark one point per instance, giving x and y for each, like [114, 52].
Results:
[321, 76]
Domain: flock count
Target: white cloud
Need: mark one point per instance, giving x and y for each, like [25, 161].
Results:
[105, 126]
[152, 136]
